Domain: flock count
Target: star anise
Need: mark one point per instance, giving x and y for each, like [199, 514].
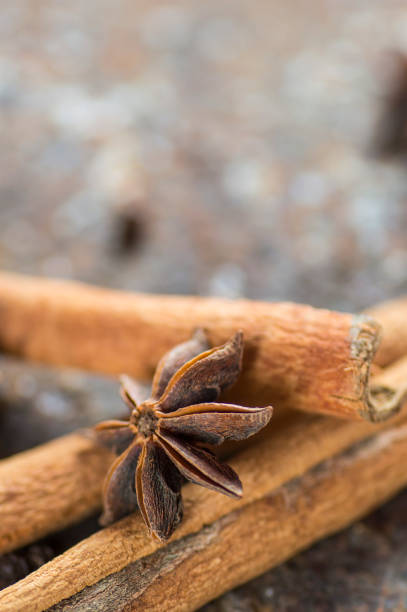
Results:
[162, 443]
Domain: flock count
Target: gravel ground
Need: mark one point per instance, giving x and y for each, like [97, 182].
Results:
[220, 148]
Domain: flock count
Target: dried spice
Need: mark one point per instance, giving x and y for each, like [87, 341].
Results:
[163, 442]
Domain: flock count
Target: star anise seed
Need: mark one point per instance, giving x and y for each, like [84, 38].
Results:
[161, 444]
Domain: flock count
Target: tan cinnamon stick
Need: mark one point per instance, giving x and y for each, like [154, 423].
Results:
[49, 487]
[297, 356]
[247, 542]
[303, 442]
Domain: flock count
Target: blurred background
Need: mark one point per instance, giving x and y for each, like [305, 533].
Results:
[231, 148]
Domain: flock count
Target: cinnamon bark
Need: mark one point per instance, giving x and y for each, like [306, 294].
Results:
[50, 487]
[251, 540]
[300, 444]
[296, 356]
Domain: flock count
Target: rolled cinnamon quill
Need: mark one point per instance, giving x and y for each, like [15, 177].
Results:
[311, 359]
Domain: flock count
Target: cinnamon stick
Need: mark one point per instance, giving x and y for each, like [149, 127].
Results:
[251, 540]
[49, 487]
[303, 442]
[315, 360]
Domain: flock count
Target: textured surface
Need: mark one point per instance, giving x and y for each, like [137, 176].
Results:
[242, 128]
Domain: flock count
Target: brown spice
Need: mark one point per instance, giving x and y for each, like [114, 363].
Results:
[162, 443]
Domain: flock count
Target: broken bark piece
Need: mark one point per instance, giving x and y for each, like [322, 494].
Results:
[295, 356]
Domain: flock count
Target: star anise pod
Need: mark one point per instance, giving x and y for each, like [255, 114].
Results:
[162, 443]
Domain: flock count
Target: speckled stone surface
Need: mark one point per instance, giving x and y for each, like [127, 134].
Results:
[238, 135]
